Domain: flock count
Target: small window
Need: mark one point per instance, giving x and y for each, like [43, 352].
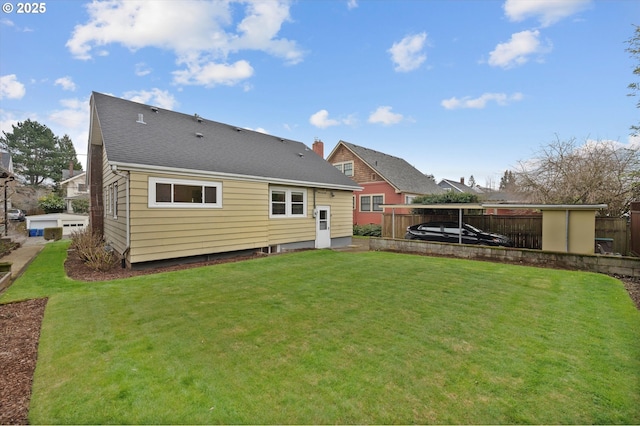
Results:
[371, 203]
[115, 200]
[345, 167]
[288, 202]
[365, 203]
[177, 193]
[377, 201]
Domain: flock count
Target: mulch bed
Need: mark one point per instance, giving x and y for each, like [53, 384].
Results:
[20, 331]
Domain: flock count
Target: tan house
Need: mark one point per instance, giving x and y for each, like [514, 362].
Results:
[166, 185]
[75, 187]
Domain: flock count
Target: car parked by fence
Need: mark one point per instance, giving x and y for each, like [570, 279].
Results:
[449, 232]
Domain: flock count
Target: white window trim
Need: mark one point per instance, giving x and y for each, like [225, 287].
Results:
[370, 203]
[152, 194]
[288, 203]
[340, 166]
[115, 200]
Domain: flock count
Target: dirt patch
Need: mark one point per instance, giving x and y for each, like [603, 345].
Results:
[19, 335]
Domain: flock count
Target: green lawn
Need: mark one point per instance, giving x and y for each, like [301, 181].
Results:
[334, 337]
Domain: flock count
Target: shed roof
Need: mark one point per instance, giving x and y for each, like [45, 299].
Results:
[140, 135]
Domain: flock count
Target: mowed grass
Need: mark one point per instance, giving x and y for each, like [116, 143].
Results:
[329, 337]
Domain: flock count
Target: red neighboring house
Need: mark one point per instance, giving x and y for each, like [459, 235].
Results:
[385, 179]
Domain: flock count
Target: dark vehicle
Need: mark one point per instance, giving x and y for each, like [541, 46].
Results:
[449, 232]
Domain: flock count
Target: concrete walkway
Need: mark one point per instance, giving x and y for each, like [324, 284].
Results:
[21, 257]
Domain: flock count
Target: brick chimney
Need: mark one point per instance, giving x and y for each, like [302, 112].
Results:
[462, 180]
[318, 147]
[70, 169]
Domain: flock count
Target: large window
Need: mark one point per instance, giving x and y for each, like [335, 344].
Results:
[371, 203]
[288, 202]
[345, 167]
[178, 193]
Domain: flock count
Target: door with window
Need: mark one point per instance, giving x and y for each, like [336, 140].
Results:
[323, 227]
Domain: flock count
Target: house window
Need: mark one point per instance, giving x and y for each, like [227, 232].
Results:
[179, 193]
[345, 167]
[288, 202]
[115, 200]
[377, 201]
[107, 200]
[371, 203]
[408, 199]
[82, 187]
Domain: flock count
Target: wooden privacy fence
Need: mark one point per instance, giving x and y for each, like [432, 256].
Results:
[525, 231]
[635, 228]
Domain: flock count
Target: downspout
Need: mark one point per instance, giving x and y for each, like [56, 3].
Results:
[115, 171]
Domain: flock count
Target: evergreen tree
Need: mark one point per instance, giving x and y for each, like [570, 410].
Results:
[37, 154]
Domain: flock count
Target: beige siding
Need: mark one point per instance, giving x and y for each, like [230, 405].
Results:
[115, 229]
[242, 223]
[162, 233]
[341, 203]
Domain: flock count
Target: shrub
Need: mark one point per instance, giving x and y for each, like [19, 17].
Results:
[80, 205]
[51, 203]
[370, 230]
[52, 234]
[92, 250]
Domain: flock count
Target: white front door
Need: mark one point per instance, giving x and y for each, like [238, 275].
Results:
[323, 227]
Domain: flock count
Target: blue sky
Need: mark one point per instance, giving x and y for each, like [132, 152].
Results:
[457, 88]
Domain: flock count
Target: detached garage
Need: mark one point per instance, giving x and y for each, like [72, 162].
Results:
[68, 222]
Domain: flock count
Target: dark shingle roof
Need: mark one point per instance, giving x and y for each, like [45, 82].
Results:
[179, 141]
[459, 187]
[396, 171]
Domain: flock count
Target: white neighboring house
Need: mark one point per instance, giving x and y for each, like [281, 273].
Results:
[75, 187]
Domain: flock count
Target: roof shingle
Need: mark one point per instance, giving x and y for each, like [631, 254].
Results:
[169, 139]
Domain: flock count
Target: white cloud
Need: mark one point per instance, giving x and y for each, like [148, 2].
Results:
[156, 97]
[73, 116]
[142, 69]
[71, 120]
[407, 54]
[548, 12]
[66, 83]
[518, 49]
[200, 33]
[383, 115]
[11, 88]
[259, 130]
[212, 74]
[352, 4]
[321, 119]
[481, 102]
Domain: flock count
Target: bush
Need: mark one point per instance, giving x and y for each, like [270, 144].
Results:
[80, 205]
[367, 230]
[51, 203]
[92, 250]
[52, 234]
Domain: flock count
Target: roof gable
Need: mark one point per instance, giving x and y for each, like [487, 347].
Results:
[399, 173]
[458, 186]
[141, 135]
